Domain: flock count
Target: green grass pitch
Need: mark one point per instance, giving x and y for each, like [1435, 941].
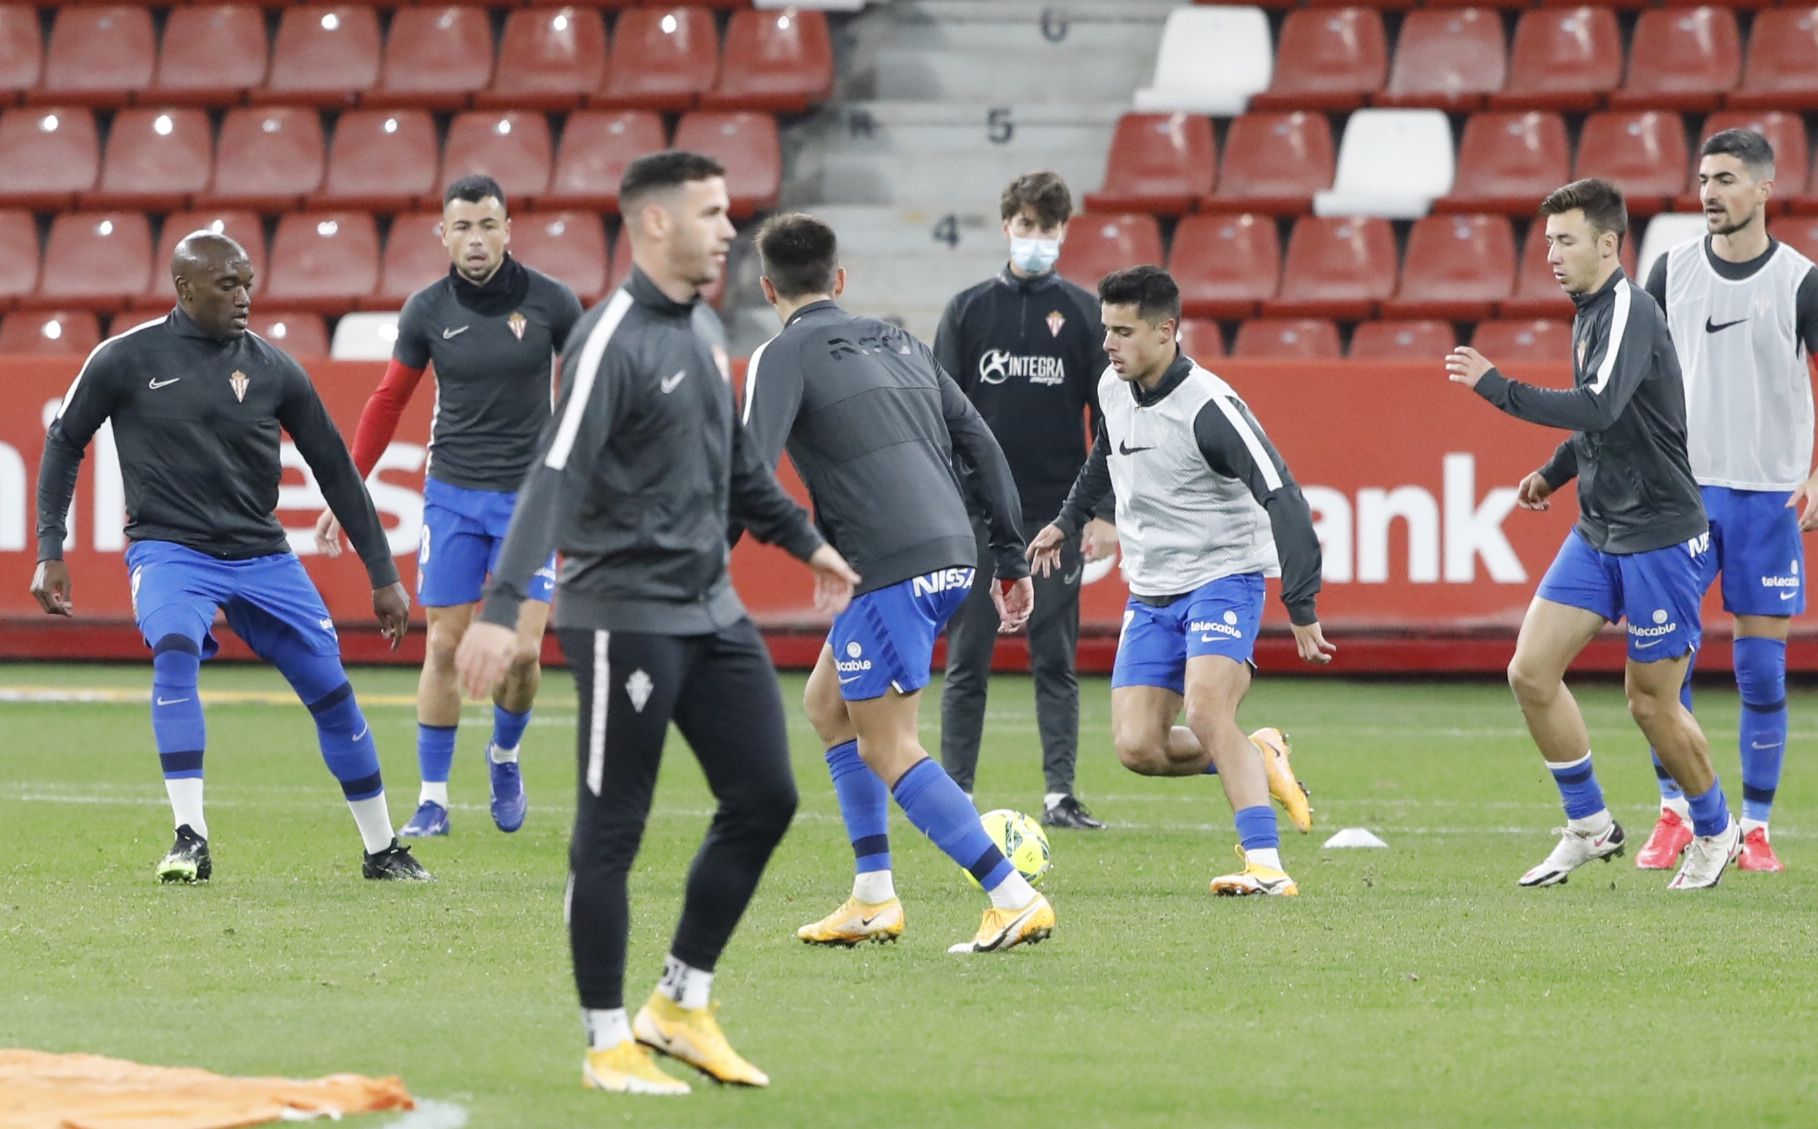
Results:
[1414, 986]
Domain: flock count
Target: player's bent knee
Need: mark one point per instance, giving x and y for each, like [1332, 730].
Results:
[1529, 683]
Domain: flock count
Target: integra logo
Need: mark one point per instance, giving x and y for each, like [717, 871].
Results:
[941, 581]
[999, 365]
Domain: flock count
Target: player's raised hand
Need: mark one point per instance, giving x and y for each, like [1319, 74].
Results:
[392, 605]
[1014, 599]
[1533, 492]
[50, 586]
[1044, 551]
[483, 657]
[328, 534]
[1805, 500]
[834, 580]
[1099, 541]
[1466, 366]
[1311, 642]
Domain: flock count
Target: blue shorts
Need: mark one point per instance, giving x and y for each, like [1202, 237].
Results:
[1757, 549]
[177, 589]
[884, 640]
[1220, 617]
[463, 531]
[1658, 592]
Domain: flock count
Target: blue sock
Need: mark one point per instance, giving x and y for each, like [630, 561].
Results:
[1761, 677]
[1711, 811]
[1578, 787]
[177, 726]
[937, 807]
[508, 729]
[1669, 790]
[1256, 828]
[864, 805]
[435, 752]
[347, 744]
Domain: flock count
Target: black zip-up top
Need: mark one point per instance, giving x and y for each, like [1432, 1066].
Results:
[1027, 352]
[196, 422]
[637, 474]
[1626, 410]
[873, 425]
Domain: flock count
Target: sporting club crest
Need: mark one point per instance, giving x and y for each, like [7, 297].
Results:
[517, 322]
[1055, 321]
[239, 381]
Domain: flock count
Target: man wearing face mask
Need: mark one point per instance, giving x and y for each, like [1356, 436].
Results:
[1024, 346]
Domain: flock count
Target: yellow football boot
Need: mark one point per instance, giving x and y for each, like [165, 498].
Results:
[1254, 879]
[627, 1068]
[855, 922]
[1007, 928]
[1288, 791]
[692, 1035]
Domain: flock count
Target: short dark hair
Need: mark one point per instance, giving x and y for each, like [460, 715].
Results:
[1745, 145]
[473, 189]
[1150, 289]
[670, 168]
[800, 254]
[1599, 200]
[1044, 192]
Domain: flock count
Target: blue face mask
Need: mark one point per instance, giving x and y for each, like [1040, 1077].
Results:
[1034, 256]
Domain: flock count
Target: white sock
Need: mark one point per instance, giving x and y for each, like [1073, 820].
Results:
[374, 821]
[436, 792]
[873, 886]
[1264, 856]
[1749, 825]
[684, 983]
[1013, 892]
[1678, 805]
[605, 1027]
[1594, 824]
[498, 756]
[1053, 798]
[186, 804]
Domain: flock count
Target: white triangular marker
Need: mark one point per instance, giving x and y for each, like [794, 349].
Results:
[1355, 837]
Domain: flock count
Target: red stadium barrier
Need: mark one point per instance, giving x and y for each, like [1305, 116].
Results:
[1428, 565]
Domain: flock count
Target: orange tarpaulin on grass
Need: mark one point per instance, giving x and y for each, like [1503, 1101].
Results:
[51, 1091]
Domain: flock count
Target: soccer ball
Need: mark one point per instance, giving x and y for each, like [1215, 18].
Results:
[1021, 839]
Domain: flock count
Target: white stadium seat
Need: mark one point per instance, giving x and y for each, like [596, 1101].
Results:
[364, 337]
[1212, 60]
[1665, 232]
[1391, 163]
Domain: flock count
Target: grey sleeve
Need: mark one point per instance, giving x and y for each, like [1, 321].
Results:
[1091, 487]
[302, 415]
[772, 401]
[1805, 316]
[947, 346]
[566, 311]
[412, 346]
[977, 452]
[1234, 445]
[1562, 467]
[759, 503]
[91, 398]
[1657, 282]
[1624, 359]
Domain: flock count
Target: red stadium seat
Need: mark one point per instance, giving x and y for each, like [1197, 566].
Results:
[1098, 245]
[1682, 58]
[780, 61]
[1328, 59]
[244, 227]
[1161, 163]
[1508, 162]
[1643, 152]
[747, 144]
[323, 261]
[51, 154]
[1457, 268]
[95, 261]
[1201, 339]
[210, 55]
[570, 246]
[1780, 74]
[662, 59]
[1792, 156]
[98, 56]
[155, 159]
[1337, 267]
[1424, 341]
[1448, 59]
[297, 333]
[19, 270]
[267, 159]
[437, 58]
[549, 58]
[1225, 264]
[1562, 59]
[1525, 341]
[1274, 163]
[511, 147]
[381, 159]
[21, 51]
[596, 147]
[1287, 339]
[1801, 234]
[58, 333]
[324, 55]
[415, 256]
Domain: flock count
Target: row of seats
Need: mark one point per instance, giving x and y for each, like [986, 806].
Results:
[1285, 162]
[1217, 59]
[277, 158]
[75, 332]
[442, 57]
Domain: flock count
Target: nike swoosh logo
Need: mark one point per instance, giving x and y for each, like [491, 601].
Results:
[1759, 745]
[1069, 578]
[1719, 326]
[156, 383]
[171, 701]
[1124, 448]
[669, 382]
[1010, 930]
[854, 678]
[865, 922]
[362, 732]
[1207, 638]
[1788, 595]
[448, 333]
[1649, 643]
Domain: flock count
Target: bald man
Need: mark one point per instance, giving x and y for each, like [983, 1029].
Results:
[196, 403]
